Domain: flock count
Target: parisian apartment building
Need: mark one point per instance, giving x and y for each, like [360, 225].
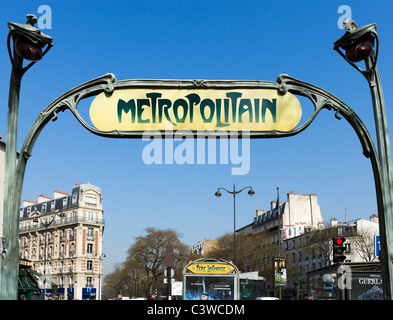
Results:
[62, 238]
[303, 237]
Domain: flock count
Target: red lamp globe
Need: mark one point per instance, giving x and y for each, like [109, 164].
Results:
[359, 51]
[27, 49]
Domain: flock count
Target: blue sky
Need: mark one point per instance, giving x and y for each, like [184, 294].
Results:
[226, 40]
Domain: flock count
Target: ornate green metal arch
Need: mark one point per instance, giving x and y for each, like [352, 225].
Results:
[320, 99]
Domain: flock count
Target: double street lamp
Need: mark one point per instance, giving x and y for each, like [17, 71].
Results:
[101, 258]
[46, 224]
[218, 194]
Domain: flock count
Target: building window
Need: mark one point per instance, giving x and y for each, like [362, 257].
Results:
[89, 265]
[91, 200]
[90, 216]
[89, 282]
[90, 233]
[89, 248]
[74, 197]
[65, 202]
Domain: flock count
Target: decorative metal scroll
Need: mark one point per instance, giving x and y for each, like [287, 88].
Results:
[106, 84]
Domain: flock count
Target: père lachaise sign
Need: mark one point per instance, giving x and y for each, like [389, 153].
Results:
[140, 109]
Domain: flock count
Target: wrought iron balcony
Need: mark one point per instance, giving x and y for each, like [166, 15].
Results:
[62, 222]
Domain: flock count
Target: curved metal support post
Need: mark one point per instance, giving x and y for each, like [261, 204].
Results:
[385, 159]
[353, 37]
[379, 162]
[68, 100]
[322, 99]
[9, 257]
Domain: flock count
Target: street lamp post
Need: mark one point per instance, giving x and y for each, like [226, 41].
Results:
[358, 44]
[46, 225]
[218, 194]
[101, 258]
[28, 43]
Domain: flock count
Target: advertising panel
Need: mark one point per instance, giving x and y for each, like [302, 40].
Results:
[366, 286]
[280, 271]
[210, 279]
[210, 287]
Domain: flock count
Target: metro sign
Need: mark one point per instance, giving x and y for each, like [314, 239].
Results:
[200, 108]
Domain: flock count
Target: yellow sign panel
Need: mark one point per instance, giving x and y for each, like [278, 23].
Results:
[210, 268]
[195, 109]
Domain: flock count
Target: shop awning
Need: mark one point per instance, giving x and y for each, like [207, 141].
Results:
[26, 281]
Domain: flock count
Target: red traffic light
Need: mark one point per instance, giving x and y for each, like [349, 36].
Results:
[338, 249]
[338, 241]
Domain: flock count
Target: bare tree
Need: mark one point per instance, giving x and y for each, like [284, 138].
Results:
[117, 282]
[142, 272]
[149, 250]
[321, 241]
[364, 244]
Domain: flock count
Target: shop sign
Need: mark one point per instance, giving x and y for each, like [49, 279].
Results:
[210, 268]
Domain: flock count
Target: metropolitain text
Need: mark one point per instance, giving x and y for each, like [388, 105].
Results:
[223, 112]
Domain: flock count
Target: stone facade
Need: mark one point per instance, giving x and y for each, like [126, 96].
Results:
[62, 236]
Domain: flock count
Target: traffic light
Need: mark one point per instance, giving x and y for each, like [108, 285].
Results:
[338, 249]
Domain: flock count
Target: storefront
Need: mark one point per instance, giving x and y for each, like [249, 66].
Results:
[351, 281]
[70, 293]
[27, 285]
[89, 293]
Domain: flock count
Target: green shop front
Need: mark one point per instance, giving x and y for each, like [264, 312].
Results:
[27, 284]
